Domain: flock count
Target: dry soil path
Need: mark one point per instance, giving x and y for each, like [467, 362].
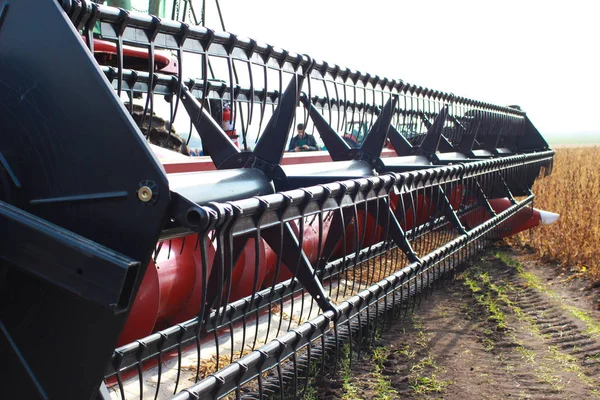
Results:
[504, 328]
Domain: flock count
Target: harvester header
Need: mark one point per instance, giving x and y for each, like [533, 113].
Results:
[131, 267]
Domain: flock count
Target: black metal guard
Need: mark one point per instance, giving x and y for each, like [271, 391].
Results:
[392, 279]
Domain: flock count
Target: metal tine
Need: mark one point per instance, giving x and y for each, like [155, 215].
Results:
[231, 337]
[378, 215]
[360, 242]
[398, 308]
[321, 222]
[354, 102]
[182, 331]
[350, 338]
[400, 263]
[375, 319]
[421, 196]
[359, 339]
[356, 241]
[160, 362]
[257, 244]
[308, 360]
[309, 85]
[205, 68]
[372, 91]
[279, 95]
[139, 357]
[338, 274]
[337, 98]
[295, 373]
[124, 15]
[414, 199]
[337, 346]
[202, 246]
[263, 103]
[414, 118]
[381, 298]
[322, 355]
[280, 379]
[329, 107]
[345, 101]
[364, 116]
[294, 275]
[130, 91]
[117, 367]
[277, 271]
[344, 247]
[409, 293]
[220, 262]
[383, 92]
[307, 197]
[231, 82]
[238, 105]
[251, 105]
[179, 78]
[151, 67]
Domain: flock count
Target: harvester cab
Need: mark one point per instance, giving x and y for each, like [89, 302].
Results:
[123, 272]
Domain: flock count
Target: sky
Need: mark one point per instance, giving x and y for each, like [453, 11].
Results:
[541, 55]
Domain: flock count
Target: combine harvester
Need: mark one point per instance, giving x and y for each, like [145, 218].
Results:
[128, 270]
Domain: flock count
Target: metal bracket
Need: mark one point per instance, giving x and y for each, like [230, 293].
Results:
[295, 259]
[508, 191]
[448, 210]
[483, 199]
[388, 220]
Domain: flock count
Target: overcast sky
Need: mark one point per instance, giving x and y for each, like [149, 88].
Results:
[542, 55]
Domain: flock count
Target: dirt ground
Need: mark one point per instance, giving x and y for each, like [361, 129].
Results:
[505, 328]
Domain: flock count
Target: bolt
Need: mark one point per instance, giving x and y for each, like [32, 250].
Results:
[145, 194]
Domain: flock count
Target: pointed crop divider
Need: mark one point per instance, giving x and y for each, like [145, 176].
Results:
[431, 142]
[375, 139]
[272, 142]
[214, 138]
[402, 147]
[467, 144]
[336, 146]
[497, 128]
[443, 145]
[485, 133]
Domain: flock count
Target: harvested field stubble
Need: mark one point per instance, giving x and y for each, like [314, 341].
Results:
[573, 191]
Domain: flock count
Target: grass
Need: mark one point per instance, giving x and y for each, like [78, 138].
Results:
[593, 326]
[425, 377]
[475, 280]
[429, 384]
[350, 390]
[573, 191]
[383, 386]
